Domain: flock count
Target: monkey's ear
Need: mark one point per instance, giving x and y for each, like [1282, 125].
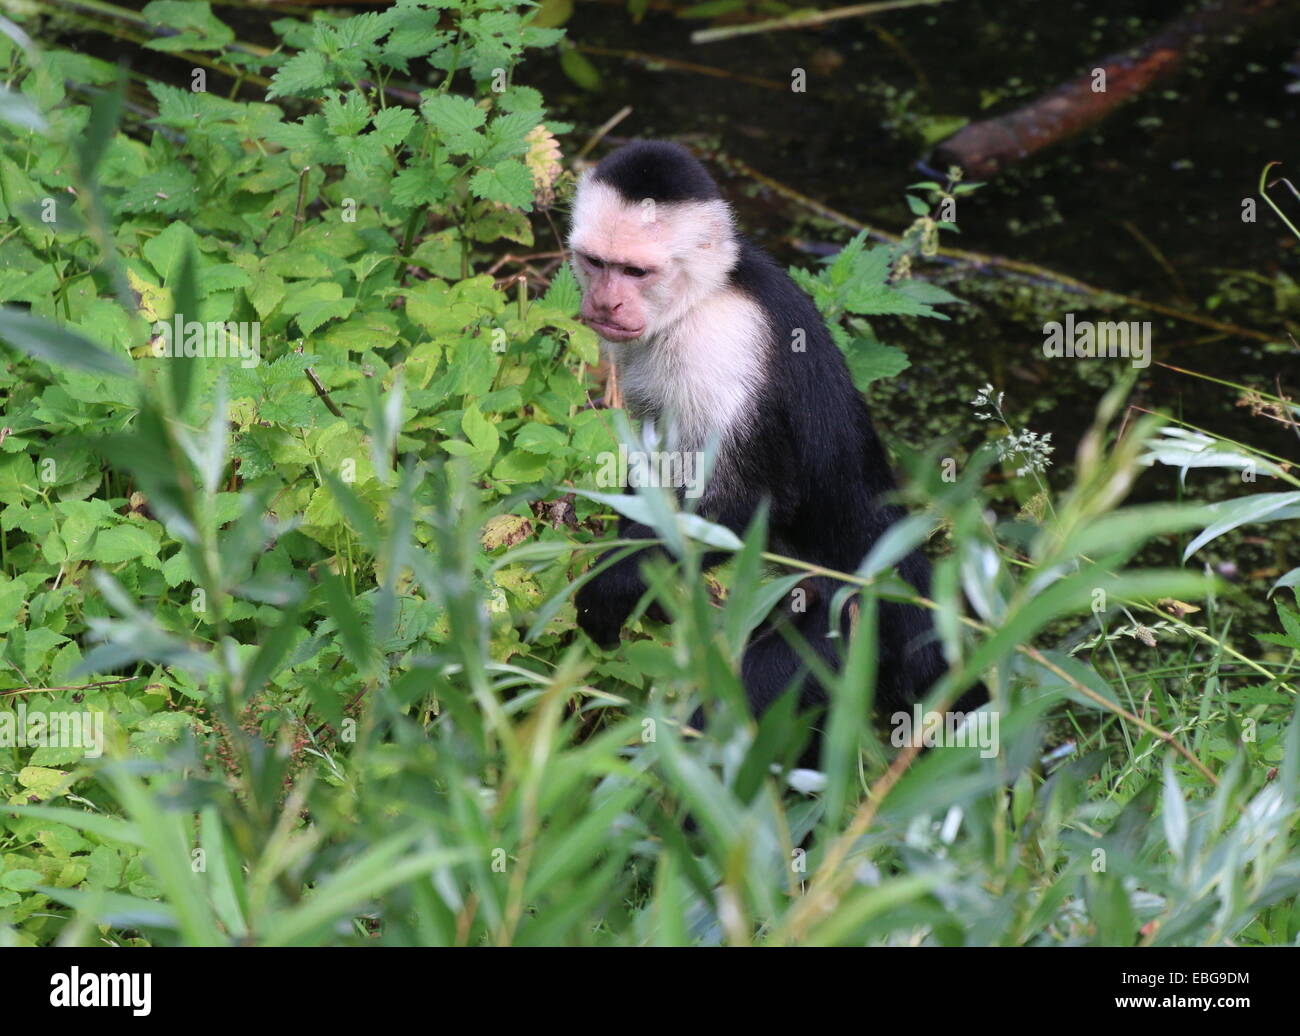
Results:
[581, 195]
[717, 224]
[713, 233]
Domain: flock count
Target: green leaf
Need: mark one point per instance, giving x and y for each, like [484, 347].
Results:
[541, 438]
[481, 433]
[640, 508]
[58, 345]
[353, 633]
[17, 110]
[115, 908]
[507, 183]
[110, 829]
[166, 252]
[123, 543]
[1050, 683]
[870, 360]
[377, 869]
[346, 114]
[306, 73]
[392, 125]
[457, 120]
[563, 293]
[309, 135]
[105, 108]
[579, 69]
[1260, 507]
[20, 879]
[199, 28]
[520, 466]
[1173, 815]
[267, 292]
[418, 185]
[173, 191]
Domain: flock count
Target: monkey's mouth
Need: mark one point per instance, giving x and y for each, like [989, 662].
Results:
[613, 332]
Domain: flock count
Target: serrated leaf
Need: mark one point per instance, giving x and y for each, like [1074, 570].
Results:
[457, 120]
[123, 543]
[563, 293]
[871, 360]
[392, 125]
[306, 73]
[173, 191]
[417, 185]
[507, 183]
[346, 114]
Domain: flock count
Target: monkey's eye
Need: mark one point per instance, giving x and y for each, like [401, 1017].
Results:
[591, 260]
[635, 271]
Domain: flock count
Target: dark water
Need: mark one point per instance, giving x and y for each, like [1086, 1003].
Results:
[1176, 163]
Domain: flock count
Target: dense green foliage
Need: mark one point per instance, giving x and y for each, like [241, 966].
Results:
[321, 599]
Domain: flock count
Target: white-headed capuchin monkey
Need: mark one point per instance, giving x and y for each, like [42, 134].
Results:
[714, 342]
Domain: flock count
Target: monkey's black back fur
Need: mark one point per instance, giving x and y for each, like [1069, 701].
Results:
[658, 170]
[814, 453]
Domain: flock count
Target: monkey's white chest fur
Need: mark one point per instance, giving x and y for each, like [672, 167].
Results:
[699, 378]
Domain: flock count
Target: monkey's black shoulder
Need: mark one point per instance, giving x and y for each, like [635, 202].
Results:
[656, 169]
[789, 310]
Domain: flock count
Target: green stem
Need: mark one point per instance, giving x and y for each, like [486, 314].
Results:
[298, 212]
[412, 225]
[1263, 193]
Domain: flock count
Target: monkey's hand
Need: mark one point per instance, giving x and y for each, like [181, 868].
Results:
[602, 620]
[602, 609]
[605, 601]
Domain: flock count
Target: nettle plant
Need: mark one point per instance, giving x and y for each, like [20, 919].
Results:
[344, 237]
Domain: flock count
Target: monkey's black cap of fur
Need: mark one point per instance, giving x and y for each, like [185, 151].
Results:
[656, 169]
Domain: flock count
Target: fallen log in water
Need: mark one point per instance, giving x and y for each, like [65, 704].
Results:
[983, 148]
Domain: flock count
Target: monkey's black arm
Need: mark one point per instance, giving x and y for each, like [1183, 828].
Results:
[605, 601]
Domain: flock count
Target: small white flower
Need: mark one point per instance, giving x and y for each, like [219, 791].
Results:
[806, 782]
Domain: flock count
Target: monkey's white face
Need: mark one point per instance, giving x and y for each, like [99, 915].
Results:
[643, 267]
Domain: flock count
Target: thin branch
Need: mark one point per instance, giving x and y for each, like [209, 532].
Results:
[600, 133]
[807, 19]
[70, 687]
[652, 60]
[322, 391]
